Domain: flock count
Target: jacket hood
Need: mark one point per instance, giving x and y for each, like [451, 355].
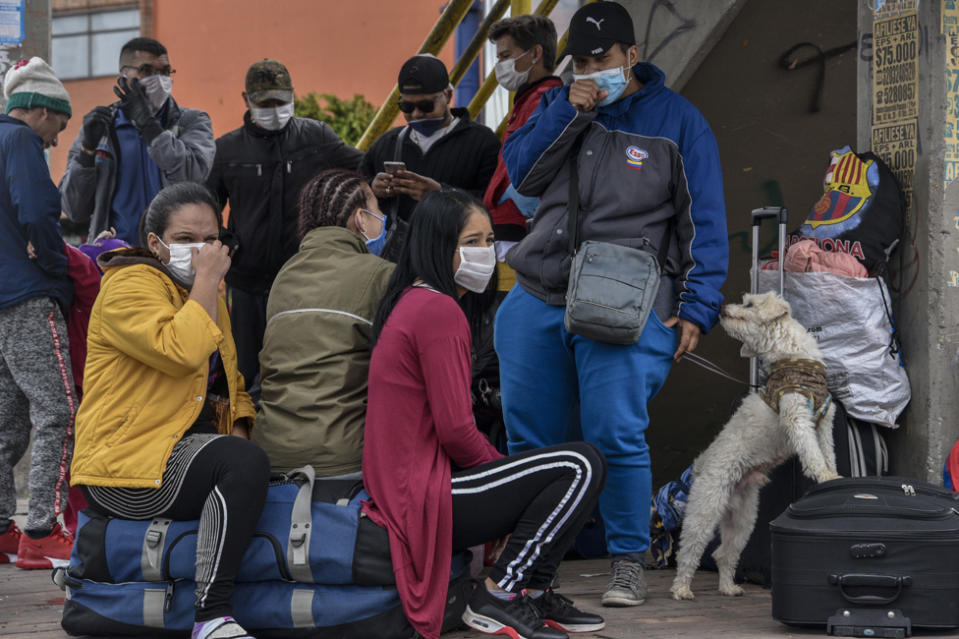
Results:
[130, 256]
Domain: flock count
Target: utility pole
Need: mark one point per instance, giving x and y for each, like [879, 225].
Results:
[24, 33]
[908, 94]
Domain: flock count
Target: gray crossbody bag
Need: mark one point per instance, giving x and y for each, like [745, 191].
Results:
[612, 288]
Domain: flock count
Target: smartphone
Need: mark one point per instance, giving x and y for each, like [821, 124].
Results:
[393, 167]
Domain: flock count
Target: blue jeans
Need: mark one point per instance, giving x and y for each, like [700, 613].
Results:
[544, 371]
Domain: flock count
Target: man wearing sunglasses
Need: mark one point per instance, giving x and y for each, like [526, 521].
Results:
[439, 146]
[127, 151]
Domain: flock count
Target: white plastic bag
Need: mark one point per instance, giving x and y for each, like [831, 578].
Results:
[848, 317]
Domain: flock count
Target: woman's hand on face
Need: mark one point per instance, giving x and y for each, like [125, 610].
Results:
[212, 261]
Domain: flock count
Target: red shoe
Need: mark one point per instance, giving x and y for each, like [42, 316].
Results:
[52, 551]
[9, 542]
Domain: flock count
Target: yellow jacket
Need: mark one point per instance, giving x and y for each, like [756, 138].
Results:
[145, 381]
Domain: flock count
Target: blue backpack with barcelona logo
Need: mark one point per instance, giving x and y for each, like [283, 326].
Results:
[861, 211]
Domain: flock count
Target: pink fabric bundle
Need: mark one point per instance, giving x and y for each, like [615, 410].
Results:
[807, 257]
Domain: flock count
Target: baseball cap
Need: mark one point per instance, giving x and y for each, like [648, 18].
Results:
[268, 80]
[423, 74]
[596, 27]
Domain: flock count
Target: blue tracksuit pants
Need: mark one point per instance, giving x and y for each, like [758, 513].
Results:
[544, 371]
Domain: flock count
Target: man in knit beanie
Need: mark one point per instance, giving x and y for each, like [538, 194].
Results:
[36, 384]
[35, 96]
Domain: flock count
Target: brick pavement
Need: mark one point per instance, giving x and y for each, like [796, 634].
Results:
[30, 608]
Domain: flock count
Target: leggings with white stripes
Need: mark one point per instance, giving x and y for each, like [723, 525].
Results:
[543, 497]
[219, 479]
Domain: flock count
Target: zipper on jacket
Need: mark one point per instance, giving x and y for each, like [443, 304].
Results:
[259, 170]
[289, 166]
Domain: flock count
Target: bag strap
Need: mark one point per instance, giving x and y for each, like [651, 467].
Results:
[301, 520]
[572, 216]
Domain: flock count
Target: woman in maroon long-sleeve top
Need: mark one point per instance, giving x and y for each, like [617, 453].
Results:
[436, 484]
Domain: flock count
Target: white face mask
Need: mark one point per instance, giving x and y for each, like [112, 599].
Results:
[507, 75]
[158, 88]
[477, 264]
[181, 261]
[271, 118]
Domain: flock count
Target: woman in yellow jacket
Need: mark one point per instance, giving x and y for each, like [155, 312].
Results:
[162, 396]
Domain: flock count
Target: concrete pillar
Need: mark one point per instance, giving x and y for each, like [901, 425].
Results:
[36, 39]
[908, 94]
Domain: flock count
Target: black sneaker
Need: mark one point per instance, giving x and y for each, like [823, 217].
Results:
[560, 613]
[517, 618]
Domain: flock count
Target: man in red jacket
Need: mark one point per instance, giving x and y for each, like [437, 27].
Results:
[526, 54]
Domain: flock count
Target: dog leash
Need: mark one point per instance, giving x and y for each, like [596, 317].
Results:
[712, 367]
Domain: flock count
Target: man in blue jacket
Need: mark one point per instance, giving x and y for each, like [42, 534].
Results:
[649, 173]
[36, 386]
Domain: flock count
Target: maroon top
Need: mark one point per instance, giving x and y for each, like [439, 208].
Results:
[420, 419]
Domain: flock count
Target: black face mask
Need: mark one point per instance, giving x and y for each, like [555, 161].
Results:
[427, 126]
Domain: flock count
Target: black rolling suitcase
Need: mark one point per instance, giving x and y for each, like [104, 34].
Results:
[868, 556]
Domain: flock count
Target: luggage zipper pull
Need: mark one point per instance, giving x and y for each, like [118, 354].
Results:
[908, 490]
[168, 597]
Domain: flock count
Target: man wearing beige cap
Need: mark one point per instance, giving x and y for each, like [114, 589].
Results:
[259, 169]
[36, 386]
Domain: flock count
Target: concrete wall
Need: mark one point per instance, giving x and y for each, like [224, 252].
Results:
[676, 35]
[770, 144]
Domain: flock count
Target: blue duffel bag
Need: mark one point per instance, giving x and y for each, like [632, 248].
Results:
[311, 531]
[269, 609]
[283, 608]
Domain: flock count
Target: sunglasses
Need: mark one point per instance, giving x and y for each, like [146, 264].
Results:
[425, 106]
[146, 70]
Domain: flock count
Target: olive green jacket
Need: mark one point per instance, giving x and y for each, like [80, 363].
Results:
[316, 353]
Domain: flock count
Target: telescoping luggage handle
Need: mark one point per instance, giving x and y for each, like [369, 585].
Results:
[757, 216]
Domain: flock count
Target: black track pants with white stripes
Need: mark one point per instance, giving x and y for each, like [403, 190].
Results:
[222, 481]
[543, 497]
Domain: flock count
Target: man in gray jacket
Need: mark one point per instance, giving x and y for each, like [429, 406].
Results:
[127, 151]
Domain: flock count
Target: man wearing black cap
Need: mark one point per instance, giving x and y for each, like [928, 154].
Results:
[260, 168]
[648, 176]
[440, 146]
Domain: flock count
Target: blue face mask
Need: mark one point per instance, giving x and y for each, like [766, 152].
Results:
[375, 245]
[613, 81]
[428, 126]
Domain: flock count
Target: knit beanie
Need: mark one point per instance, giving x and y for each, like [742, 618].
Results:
[32, 83]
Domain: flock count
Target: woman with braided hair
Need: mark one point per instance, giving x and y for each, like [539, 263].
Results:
[316, 349]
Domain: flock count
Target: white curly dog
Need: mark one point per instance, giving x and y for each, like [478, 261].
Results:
[728, 475]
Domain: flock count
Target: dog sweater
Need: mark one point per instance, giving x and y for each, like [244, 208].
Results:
[804, 376]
